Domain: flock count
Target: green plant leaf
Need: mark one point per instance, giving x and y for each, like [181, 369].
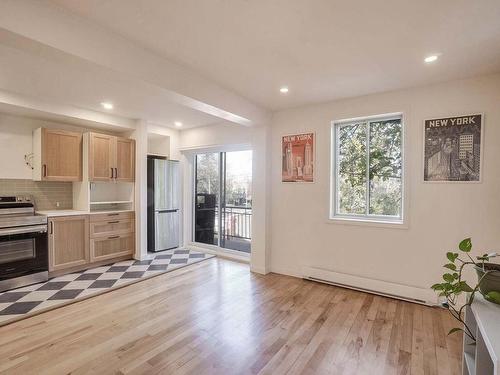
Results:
[453, 330]
[451, 256]
[448, 277]
[450, 266]
[465, 245]
[464, 287]
[437, 287]
[447, 286]
[493, 296]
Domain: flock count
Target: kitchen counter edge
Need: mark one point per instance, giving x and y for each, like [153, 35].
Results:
[56, 213]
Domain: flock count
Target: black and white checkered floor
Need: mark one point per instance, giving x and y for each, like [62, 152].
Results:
[25, 301]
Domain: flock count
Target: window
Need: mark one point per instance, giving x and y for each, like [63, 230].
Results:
[367, 173]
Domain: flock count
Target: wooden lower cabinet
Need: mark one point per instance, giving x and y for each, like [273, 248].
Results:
[111, 227]
[108, 247]
[111, 235]
[85, 241]
[68, 242]
[111, 216]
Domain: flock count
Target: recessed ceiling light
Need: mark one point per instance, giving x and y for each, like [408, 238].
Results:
[107, 105]
[431, 58]
[284, 90]
[178, 124]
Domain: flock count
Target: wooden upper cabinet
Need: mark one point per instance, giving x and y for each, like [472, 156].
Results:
[102, 156]
[111, 158]
[68, 242]
[125, 160]
[57, 155]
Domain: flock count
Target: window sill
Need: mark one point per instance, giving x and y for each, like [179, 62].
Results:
[394, 224]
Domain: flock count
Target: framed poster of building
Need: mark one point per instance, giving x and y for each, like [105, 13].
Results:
[453, 149]
[297, 158]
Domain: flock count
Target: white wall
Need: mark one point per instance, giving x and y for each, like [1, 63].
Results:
[16, 141]
[216, 135]
[440, 215]
[158, 144]
[225, 136]
[173, 149]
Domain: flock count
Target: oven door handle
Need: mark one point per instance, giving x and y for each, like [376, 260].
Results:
[21, 230]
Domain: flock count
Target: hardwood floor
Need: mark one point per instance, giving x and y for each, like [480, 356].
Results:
[216, 317]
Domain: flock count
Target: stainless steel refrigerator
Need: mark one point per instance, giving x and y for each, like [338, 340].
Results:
[163, 204]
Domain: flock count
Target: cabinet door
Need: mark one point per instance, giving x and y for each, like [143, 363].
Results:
[101, 157]
[111, 227]
[111, 247]
[125, 159]
[61, 155]
[68, 242]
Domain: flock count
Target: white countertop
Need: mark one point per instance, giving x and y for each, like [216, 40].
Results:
[54, 213]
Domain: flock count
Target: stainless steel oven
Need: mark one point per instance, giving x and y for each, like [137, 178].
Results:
[23, 243]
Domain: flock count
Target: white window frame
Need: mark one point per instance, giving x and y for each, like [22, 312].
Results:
[383, 220]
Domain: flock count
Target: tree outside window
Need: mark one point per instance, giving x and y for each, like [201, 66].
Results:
[368, 169]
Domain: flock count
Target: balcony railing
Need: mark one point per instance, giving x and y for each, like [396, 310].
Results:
[237, 221]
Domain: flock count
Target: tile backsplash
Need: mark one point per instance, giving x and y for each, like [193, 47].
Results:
[45, 193]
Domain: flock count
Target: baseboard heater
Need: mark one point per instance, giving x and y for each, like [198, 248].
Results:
[332, 278]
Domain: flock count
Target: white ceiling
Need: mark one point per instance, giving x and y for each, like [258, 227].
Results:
[321, 49]
[53, 77]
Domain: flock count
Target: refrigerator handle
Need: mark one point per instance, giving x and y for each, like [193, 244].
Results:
[164, 211]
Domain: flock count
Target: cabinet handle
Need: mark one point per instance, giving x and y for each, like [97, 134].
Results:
[113, 237]
[44, 170]
[51, 227]
[116, 172]
[113, 214]
[114, 222]
[112, 173]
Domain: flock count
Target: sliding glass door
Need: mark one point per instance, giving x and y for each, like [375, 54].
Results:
[207, 198]
[223, 199]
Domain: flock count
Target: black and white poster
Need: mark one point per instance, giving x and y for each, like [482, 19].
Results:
[452, 149]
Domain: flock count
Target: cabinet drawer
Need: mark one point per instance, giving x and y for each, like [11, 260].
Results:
[111, 216]
[111, 227]
[111, 247]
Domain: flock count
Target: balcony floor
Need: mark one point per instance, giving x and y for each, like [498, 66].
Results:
[238, 244]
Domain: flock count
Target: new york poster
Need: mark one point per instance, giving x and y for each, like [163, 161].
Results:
[297, 158]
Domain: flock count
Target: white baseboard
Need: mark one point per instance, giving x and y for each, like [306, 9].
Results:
[286, 271]
[405, 292]
[259, 270]
[220, 252]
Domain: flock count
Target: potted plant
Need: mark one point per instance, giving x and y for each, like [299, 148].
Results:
[453, 287]
[489, 273]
